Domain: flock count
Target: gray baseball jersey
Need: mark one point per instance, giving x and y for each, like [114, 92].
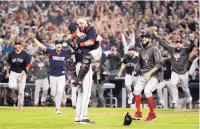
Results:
[150, 57]
[180, 60]
[40, 69]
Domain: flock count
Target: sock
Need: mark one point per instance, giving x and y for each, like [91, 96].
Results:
[138, 102]
[151, 104]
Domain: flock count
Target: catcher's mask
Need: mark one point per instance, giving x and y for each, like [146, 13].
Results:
[127, 119]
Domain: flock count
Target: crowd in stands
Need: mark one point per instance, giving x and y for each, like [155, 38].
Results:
[120, 23]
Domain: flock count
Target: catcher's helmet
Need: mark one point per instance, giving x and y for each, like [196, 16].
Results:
[127, 119]
[72, 27]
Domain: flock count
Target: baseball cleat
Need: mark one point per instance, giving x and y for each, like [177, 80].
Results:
[35, 105]
[173, 106]
[87, 121]
[58, 111]
[77, 122]
[137, 116]
[20, 107]
[43, 103]
[160, 105]
[151, 117]
[188, 106]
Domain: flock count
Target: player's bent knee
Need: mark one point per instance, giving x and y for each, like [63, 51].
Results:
[137, 92]
[147, 94]
[21, 94]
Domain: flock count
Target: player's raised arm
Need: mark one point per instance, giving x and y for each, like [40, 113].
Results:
[191, 46]
[162, 42]
[38, 43]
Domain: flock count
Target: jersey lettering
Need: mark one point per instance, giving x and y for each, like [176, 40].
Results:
[176, 56]
[130, 65]
[17, 60]
[58, 58]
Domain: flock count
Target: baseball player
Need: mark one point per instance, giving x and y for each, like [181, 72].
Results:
[129, 63]
[40, 69]
[149, 65]
[166, 82]
[89, 50]
[57, 71]
[180, 62]
[18, 64]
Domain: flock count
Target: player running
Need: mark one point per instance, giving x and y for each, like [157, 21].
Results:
[180, 63]
[149, 65]
[57, 71]
[129, 63]
[40, 71]
[166, 80]
[18, 64]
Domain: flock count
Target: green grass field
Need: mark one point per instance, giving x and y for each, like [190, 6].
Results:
[106, 118]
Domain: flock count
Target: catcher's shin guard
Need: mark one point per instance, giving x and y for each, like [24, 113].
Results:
[83, 69]
[127, 119]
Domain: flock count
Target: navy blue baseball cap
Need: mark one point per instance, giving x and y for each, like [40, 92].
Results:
[146, 36]
[17, 42]
[131, 48]
[72, 27]
[179, 41]
[58, 42]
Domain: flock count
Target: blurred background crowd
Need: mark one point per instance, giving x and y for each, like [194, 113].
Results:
[120, 23]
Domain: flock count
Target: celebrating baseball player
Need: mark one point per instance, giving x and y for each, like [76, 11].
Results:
[149, 65]
[18, 64]
[57, 71]
[180, 63]
[129, 63]
[166, 80]
[40, 69]
[88, 50]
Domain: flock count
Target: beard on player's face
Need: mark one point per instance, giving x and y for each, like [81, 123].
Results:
[179, 46]
[131, 53]
[145, 41]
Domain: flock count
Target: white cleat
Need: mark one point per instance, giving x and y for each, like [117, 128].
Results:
[58, 111]
[130, 98]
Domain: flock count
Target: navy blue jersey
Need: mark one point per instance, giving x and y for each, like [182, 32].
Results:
[91, 34]
[18, 62]
[130, 63]
[57, 61]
